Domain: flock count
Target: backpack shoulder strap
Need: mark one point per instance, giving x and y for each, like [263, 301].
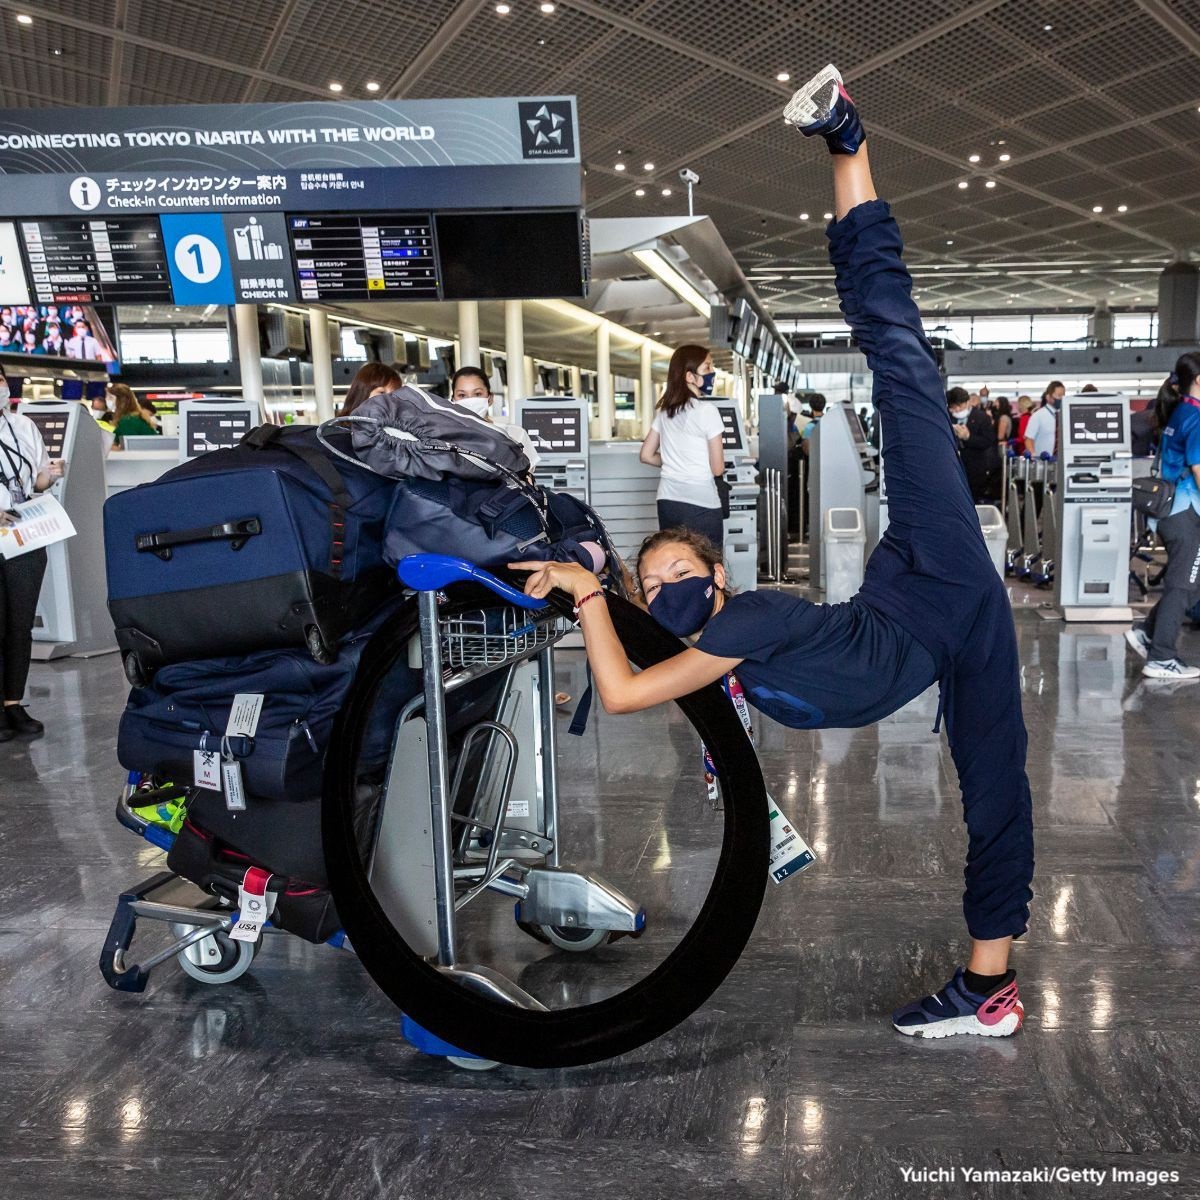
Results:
[272, 436]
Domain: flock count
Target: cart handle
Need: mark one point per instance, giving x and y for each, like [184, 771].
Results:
[432, 572]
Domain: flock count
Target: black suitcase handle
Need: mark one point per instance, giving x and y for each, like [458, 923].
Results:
[237, 533]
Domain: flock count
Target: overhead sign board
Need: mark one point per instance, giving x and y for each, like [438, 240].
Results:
[312, 156]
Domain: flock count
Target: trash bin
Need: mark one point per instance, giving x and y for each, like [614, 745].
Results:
[844, 548]
[995, 533]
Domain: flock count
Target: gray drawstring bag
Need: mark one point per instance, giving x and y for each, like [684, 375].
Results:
[410, 434]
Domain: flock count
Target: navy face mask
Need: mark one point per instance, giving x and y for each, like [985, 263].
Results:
[682, 607]
[707, 382]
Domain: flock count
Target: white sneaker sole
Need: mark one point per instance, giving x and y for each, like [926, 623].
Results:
[1188, 676]
[1136, 644]
[804, 108]
[952, 1026]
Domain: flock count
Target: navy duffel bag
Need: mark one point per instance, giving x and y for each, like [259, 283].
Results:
[187, 705]
[274, 543]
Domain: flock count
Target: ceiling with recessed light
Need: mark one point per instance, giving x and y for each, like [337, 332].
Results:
[1040, 154]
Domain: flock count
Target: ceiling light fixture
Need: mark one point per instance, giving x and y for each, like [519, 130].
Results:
[335, 87]
[24, 19]
[647, 166]
[828, 216]
[1005, 157]
[547, 8]
[1047, 28]
[991, 183]
[372, 86]
[619, 166]
[963, 185]
[1122, 208]
[665, 273]
[974, 158]
[949, 241]
[503, 9]
[640, 192]
[1097, 208]
[783, 76]
[666, 191]
[804, 216]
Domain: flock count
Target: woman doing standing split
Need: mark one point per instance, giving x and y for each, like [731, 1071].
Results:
[932, 607]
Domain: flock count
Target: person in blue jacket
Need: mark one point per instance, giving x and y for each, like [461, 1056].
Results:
[1157, 639]
[932, 606]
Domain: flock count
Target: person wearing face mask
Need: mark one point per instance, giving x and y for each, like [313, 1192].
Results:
[976, 445]
[686, 442]
[932, 607]
[1041, 433]
[471, 388]
[25, 469]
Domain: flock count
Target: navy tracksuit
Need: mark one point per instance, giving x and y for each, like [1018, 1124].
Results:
[932, 574]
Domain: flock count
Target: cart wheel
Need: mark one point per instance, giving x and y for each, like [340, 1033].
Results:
[216, 958]
[576, 938]
[135, 672]
[320, 650]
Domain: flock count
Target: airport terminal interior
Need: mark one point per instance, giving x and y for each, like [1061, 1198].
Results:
[339, 857]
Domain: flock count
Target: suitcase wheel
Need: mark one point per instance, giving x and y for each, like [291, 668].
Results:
[135, 671]
[321, 651]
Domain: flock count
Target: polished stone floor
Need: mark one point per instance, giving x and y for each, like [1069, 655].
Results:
[294, 1081]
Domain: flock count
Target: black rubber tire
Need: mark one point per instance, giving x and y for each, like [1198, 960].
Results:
[135, 673]
[679, 985]
[320, 650]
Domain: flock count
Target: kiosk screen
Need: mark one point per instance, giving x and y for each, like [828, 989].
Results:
[214, 429]
[554, 430]
[1098, 424]
[53, 428]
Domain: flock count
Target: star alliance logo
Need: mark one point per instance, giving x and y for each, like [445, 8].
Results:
[546, 129]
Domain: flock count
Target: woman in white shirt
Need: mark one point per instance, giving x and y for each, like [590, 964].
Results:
[25, 468]
[686, 441]
[471, 388]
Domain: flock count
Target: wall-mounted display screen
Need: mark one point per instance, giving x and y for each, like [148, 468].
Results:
[389, 256]
[511, 256]
[106, 259]
[554, 429]
[14, 286]
[1098, 424]
[746, 326]
[78, 331]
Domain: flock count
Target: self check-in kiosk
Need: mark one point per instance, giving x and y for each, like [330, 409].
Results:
[72, 612]
[558, 428]
[842, 473]
[206, 425]
[741, 526]
[1094, 497]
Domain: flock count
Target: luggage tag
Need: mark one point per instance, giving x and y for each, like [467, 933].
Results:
[206, 767]
[243, 716]
[231, 779]
[790, 853]
[255, 905]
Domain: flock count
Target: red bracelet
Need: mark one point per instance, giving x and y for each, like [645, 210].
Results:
[590, 596]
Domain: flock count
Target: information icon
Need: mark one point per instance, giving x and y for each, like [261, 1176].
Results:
[85, 193]
[198, 258]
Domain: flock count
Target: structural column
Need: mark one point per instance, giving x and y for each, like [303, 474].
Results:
[322, 361]
[514, 352]
[468, 333]
[645, 389]
[576, 382]
[249, 354]
[605, 404]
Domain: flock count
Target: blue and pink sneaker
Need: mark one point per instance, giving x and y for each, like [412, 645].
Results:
[956, 1010]
[823, 107]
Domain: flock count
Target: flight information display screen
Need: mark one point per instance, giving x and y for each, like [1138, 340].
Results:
[511, 256]
[389, 256]
[554, 430]
[104, 259]
[1098, 424]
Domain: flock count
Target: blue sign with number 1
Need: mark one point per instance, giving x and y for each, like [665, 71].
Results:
[198, 258]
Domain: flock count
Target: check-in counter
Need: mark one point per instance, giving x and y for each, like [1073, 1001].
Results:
[124, 469]
[623, 493]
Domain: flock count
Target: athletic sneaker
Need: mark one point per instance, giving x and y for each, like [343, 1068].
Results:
[1139, 643]
[956, 1010]
[1172, 668]
[823, 107]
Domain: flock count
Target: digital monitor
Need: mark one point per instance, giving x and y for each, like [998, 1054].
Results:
[77, 331]
[1098, 424]
[731, 435]
[208, 428]
[856, 429]
[384, 256]
[762, 354]
[746, 326]
[97, 260]
[511, 255]
[51, 425]
[554, 429]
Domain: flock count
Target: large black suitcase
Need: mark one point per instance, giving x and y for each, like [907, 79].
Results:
[273, 543]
